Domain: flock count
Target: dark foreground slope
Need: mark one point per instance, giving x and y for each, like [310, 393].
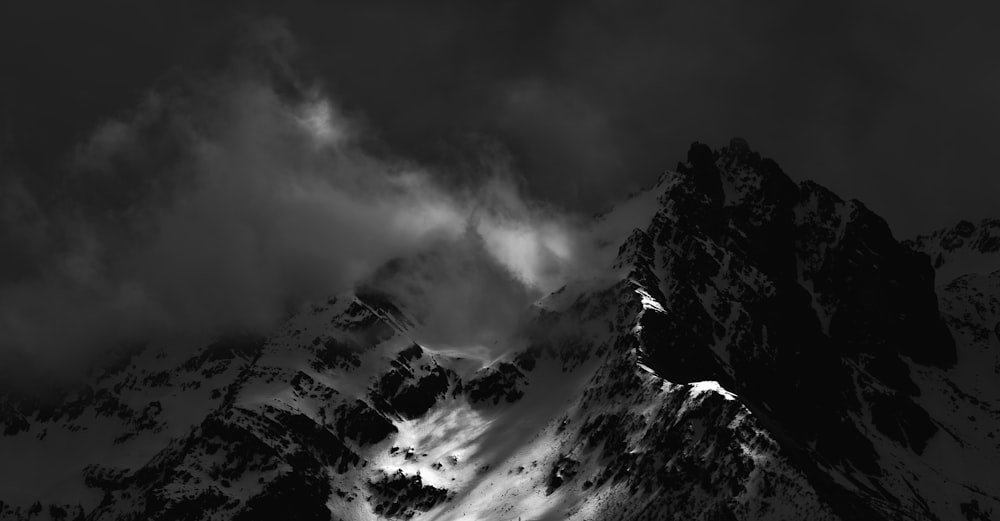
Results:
[756, 349]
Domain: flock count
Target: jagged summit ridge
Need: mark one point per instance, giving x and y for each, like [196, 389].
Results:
[788, 295]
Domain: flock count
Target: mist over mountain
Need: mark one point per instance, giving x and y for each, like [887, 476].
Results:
[460, 278]
[754, 348]
[243, 202]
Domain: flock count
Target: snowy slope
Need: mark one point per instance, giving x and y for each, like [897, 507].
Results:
[574, 429]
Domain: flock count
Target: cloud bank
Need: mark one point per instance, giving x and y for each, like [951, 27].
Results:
[226, 205]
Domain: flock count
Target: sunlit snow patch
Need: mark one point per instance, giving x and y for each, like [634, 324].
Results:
[648, 302]
[436, 446]
[710, 386]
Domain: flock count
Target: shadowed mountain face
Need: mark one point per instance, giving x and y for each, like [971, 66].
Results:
[759, 349]
[800, 302]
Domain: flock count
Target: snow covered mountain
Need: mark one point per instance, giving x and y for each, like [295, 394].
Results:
[757, 349]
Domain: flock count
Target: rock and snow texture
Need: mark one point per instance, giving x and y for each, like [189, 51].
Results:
[319, 425]
[758, 349]
[964, 249]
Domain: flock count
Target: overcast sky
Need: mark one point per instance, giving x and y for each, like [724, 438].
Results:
[893, 104]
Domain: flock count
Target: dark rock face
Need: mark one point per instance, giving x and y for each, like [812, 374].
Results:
[704, 173]
[14, 421]
[291, 496]
[403, 391]
[414, 400]
[243, 346]
[564, 469]
[56, 512]
[225, 449]
[334, 353]
[399, 495]
[696, 447]
[882, 295]
[781, 293]
[973, 512]
[363, 424]
[687, 359]
[494, 384]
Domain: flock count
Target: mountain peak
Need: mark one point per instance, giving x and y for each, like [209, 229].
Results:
[758, 349]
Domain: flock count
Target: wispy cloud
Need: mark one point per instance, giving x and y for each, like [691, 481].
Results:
[266, 200]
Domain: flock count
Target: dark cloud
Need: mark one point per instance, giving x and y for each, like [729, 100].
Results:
[891, 104]
[123, 125]
[249, 192]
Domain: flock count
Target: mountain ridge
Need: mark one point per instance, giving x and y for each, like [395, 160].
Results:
[766, 351]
